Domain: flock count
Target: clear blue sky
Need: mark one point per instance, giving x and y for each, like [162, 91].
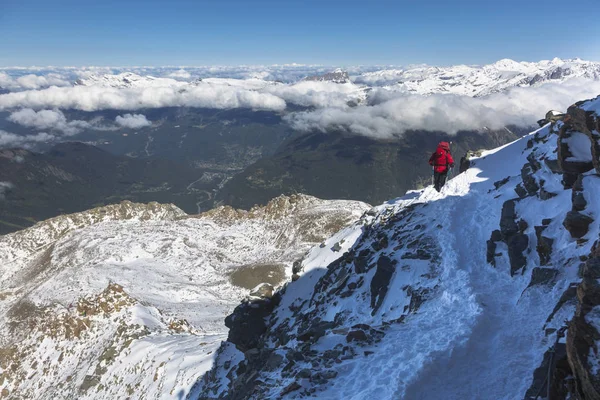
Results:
[332, 32]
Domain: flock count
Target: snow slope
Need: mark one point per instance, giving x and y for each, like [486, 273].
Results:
[451, 295]
[129, 300]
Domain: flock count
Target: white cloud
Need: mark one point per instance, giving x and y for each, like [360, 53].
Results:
[5, 187]
[132, 121]
[93, 98]
[393, 114]
[180, 74]
[8, 139]
[50, 119]
[31, 81]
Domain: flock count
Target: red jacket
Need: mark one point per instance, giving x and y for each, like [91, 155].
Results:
[441, 158]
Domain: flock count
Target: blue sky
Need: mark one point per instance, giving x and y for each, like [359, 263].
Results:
[332, 32]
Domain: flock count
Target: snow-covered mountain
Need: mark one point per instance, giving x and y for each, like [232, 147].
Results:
[127, 80]
[129, 300]
[465, 80]
[487, 290]
[479, 80]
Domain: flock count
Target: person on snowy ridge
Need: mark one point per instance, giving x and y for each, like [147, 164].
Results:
[441, 161]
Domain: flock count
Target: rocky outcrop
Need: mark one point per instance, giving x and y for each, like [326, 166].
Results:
[576, 155]
[583, 335]
[512, 230]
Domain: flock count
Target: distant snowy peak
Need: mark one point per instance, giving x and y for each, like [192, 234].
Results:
[127, 80]
[336, 76]
[480, 80]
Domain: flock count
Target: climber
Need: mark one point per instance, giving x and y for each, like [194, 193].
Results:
[441, 161]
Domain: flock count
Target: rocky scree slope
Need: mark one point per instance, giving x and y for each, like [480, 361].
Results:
[128, 300]
[488, 289]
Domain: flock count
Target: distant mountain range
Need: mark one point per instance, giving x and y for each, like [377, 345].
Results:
[465, 80]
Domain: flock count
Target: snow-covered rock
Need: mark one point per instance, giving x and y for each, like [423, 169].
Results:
[130, 300]
[480, 80]
[467, 293]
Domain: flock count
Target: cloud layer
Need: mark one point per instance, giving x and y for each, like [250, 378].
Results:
[391, 114]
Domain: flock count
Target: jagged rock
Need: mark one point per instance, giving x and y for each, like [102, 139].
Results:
[297, 267]
[520, 191]
[381, 282]
[246, 324]
[336, 247]
[542, 276]
[544, 245]
[553, 165]
[581, 341]
[274, 361]
[529, 182]
[361, 262]
[587, 123]
[357, 336]
[292, 387]
[264, 290]
[508, 224]
[577, 197]
[577, 224]
[304, 373]
[517, 244]
[316, 330]
[501, 183]
[295, 277]
[491, 247]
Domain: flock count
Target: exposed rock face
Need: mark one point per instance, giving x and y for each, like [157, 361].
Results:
[583, 335]
[575, 154]
[512, 230]
[577, 224]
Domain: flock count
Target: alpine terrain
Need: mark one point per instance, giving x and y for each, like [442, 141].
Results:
[487, 290]
[129, 300]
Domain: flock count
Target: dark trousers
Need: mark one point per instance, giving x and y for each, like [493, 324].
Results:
[439, 180]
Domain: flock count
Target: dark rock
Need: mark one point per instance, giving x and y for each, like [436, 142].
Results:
[544, 245]
[542, 276]
[304, 373]
[274, 361]
[546, 221]
[496, 236]
[520, 191]
[577, 224]
[501, 183]
[569, 180]
[529, 182]
[316, 330]
[361, 262]
[357, 336]
[577, 197]
[295, 277]
[581, 341]
[381, 282]
[555, 361]
[336, 247]
[491, 252]
[247, 323]
[517, 244]
[292, 387]
[297, 267]
[553, 166]
[508, 224]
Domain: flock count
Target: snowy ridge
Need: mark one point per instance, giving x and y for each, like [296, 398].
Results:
[130, 299]
[456, 295]
[480, 80]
